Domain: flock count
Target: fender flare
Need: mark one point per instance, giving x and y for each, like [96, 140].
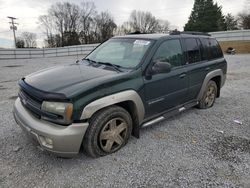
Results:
[209, 76]
[128, 95]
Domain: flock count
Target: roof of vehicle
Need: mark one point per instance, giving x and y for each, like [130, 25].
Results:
[144, 36]
[157, 36]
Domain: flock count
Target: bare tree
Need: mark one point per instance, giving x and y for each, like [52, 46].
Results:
[87, 15]
[62, 18]
[105, 26]
[244, 20]
[124, 29]
[144, 22]
[70, 24]
[231, 22]
[163, 26]
[46, 22]
[29, 39]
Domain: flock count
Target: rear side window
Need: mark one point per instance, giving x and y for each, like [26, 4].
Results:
[204, 46]
[192, 50]
[215, 49]
[170, 51]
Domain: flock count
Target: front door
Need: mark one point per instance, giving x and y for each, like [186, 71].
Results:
[167, 90]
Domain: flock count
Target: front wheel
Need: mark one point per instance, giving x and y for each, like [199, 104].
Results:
[209, 95]
[108, 131]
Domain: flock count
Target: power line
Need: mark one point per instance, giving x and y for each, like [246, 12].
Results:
[13, 27]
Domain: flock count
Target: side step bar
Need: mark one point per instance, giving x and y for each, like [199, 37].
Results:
[153, 121]
[169, 114]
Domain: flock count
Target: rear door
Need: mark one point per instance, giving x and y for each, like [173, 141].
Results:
[196, 65]
[166, 90]
[202, 56]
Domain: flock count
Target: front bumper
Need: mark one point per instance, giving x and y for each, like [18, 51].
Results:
[64, 141]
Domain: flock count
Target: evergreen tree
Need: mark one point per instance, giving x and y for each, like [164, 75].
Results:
[206, 16]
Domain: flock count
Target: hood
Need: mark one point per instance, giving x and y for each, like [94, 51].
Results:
[65, 79]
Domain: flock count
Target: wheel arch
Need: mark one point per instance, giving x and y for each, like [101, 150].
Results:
[215, 75]
[129, 100]
[217, 80]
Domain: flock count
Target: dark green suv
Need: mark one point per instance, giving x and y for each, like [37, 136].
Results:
[125, 83]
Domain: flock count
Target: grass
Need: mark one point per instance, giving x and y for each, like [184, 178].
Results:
[242, 47]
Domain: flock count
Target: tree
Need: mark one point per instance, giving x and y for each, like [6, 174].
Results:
[244, 20]
[19, 43]
[71, 38]
[231, 22]
[123, 29]
[163, 26]
[144, 22]
[62, 18]
[52, 41]
[46, 22]
[29, 39]
[87, 15]
[105, 26]
[206, 17]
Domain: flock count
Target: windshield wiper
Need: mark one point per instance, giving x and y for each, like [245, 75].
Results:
[90, 60]
[116, 67]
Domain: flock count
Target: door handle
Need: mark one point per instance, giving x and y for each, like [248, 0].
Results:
[183, 75]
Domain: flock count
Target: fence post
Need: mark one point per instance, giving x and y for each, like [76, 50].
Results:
[77, 53]
[14, 53]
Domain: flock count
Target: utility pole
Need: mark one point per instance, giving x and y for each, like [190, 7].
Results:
[13, 27]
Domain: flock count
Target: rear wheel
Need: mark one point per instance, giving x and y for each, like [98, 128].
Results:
[109, 130]
[209, 95]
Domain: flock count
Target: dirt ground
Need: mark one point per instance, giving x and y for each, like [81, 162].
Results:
[241, 47]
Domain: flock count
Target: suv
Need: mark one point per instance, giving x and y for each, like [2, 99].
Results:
[124, 84]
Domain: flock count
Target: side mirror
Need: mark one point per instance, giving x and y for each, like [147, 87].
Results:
[160, 67]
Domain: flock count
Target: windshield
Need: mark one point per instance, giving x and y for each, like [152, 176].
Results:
[126, 53]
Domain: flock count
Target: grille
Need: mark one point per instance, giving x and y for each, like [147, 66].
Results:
[32, 104]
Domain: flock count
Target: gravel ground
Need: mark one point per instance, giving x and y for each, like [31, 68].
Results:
[198, 148]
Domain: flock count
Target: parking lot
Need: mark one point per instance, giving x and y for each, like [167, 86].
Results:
[198, 148]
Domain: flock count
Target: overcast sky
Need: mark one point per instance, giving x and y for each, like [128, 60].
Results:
[28, 11]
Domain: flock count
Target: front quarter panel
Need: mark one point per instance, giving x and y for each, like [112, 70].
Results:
[120, 85]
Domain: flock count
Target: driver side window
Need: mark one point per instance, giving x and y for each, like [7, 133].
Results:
[170, 51]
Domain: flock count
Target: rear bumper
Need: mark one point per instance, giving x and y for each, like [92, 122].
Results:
[64, 141]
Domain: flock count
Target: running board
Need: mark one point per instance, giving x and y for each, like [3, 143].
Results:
[153, 121]
[169, 113]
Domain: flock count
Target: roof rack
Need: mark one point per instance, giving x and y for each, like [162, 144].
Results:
[188, 33]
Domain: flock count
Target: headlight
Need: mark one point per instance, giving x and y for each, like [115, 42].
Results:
[63, 110]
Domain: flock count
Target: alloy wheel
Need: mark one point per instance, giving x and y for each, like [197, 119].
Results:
[113, 134]
[210, 96]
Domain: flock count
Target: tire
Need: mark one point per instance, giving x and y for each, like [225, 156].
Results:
[108, 131]
[209, 95]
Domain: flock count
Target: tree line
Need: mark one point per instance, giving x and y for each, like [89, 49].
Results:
[67, 24]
